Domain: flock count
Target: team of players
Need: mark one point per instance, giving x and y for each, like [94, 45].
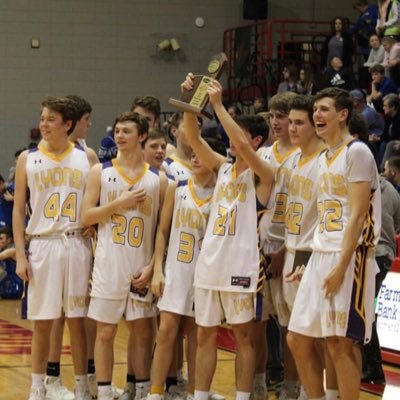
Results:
[299, 196]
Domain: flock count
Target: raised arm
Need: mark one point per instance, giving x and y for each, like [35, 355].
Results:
[162, 236]
[19, 217]
[238, 138]
[207, 156]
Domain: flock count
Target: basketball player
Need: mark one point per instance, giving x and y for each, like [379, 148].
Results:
[178, 165]
[227, 271]
[55, 174]
[155, 147]
[183, 221]
[272, 232]
[335, 298]
[129, 193]
[54, 387]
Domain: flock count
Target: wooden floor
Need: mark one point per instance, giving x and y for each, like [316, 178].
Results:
[15, 360]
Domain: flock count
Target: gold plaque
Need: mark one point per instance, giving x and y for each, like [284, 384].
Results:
[196, 100]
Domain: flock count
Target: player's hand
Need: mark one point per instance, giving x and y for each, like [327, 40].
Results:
[23, 269]
[275, 267]
[214, 90]
[89, 232]
[333, 281]
[188, 82]
[131, 198]
[296, 275]
[144, 278]
[8, 196]
[158, 284]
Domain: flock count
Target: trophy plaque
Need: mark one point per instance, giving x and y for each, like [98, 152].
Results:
[196, 100]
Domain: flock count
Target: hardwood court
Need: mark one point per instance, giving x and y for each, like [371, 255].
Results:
[15, 337]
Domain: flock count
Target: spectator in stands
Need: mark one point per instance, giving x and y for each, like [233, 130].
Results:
[306, 80]
[11, 286]
[365, 24]
[336, 75]
[358, 127]
[6, 203]
[375, 122]
[108, 148]
[376, 53]
[380, 87]
[391, 171]
[338, 44]
[391, 60]
[388, 23]
[290, 81]
[385, 254]
[260, 104]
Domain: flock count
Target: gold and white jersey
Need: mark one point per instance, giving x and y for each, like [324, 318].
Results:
[301, 212]
[177, 169]
[352, 162]
[56, 184]
[272, 225]
[125, 241]
[229, 259]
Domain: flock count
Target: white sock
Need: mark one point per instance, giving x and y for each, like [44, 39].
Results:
[38, 380]
[81, 383]
[143, 388]
[332, 394]
[242, 395]
[103, 390]
[259, 379]
[201, 395]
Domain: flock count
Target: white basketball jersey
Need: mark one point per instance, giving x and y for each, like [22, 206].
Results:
[188, 226]
[272, 225]
[178, 169]
[301, 213]
[333, 197]
[229, 259]
[56, 184]
[126, 240]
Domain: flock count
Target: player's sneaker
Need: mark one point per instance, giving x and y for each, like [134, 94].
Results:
[37, 393]
[92, 383]
[55, 390]
[175, 393]
[83, 395]
[216, 396]
[260, 392]
[190, 396]
[286, 394]
[129, 392]
[155, 396]
[141, 392]
[117, 392]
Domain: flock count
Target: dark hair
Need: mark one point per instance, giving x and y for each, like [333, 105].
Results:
[149, 103]
[156, 133]
[377, 68]
[343, 21]
[341, 98]
[176, 119]
[217, 145]
[394, 162]
[140, 121]
[1, 178]
[255, 125]
[63, 106]
[293, 71]
[392, 100]
[281, 102]
[304, 103]
[5, 230]
[82, 106]
[358, 126]
[18, 152]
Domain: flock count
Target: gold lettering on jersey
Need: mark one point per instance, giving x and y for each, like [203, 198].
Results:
[301, 186]
[243, 304]
[332, 184]
[232, 191]
[145, 207]
[190, 218]
[77, 302]
[336, 318]
[282, 177]
[56, 177]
